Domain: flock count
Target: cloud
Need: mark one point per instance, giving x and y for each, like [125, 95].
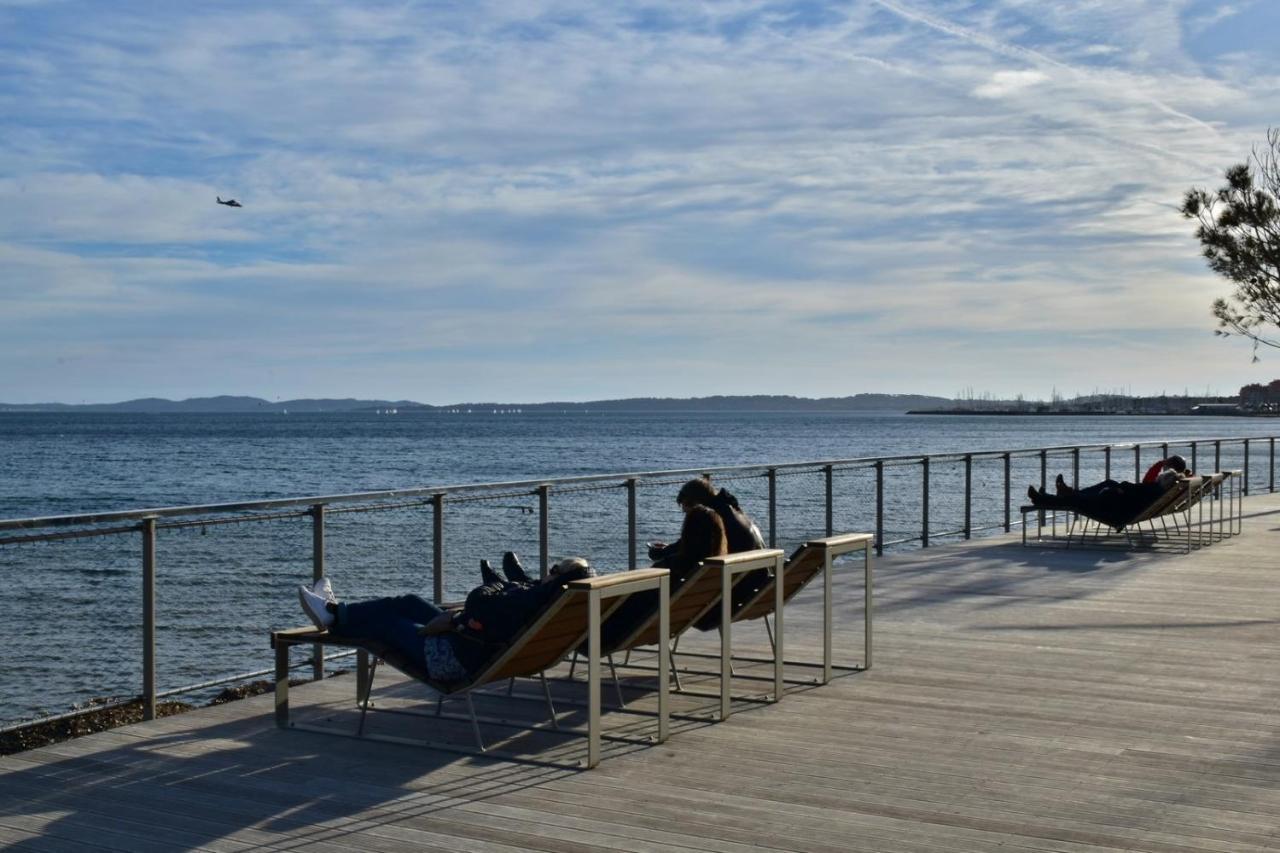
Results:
[1005, 83]
[435, 194]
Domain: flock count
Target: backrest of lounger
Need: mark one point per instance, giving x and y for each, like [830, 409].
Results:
[698, 594]
[555, 632]
[1167, 501]
[804, 565]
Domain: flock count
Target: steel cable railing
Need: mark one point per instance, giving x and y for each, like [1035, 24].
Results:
[905, 500]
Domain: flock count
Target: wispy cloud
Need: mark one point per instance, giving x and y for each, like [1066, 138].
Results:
[438, 196]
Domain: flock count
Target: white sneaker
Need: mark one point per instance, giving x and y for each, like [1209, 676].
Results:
[324, 589]
[314, 606]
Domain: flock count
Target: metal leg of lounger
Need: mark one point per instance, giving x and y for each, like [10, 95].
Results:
[363, 701]
[475, 723]
[768, 628]
[593, 678]
[720, 631]
[573, 664]
[617, 685]
[726, 642]
[664, 658]
[551, 709]
[868, 586]
[282, 684]
[675, 670]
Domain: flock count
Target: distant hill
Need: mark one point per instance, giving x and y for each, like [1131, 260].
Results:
[754, 403]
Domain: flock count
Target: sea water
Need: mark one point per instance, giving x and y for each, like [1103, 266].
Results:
[71, 614]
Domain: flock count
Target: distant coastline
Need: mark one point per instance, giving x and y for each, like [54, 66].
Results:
[1075, 413]
[743, 403]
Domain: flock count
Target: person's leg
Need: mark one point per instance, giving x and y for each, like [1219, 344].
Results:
[513, 570]
[394, 621]
[1096, 489]
[488, 575]
[357, 618]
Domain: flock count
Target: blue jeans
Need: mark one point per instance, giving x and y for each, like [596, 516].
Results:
[394, 621]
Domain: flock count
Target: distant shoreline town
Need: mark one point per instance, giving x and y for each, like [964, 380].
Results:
[1253, 400]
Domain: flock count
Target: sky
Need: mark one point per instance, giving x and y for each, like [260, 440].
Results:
[564, 200]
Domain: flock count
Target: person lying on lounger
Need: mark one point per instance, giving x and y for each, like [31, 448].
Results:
[449, 646]
[1112, 502]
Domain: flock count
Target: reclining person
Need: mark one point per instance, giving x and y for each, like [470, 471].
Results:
[1111, 502]
[448, 646]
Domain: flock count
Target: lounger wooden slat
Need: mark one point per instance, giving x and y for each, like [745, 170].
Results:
[572, 617]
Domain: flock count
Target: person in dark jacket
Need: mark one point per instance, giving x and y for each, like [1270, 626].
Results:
[1113, 503]
[740, 531]
[701, 536]
[449, 646]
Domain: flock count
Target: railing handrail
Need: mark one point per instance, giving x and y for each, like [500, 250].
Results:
[620, 478]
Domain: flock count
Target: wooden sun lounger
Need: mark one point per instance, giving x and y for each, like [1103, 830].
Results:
[711, 583]
[1173, 505]
[811, 559]
[571, 618]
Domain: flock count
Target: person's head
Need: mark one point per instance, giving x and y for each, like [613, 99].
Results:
[570, 569]
[702, 534]
[1177, 463]
[696, 492]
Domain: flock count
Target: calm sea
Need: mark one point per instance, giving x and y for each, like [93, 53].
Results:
[75, 604]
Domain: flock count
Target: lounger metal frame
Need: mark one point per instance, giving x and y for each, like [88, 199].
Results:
[599, 595]
[1218, 492]
[773, 597]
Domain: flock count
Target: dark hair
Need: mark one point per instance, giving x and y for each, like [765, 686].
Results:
[702, 535]
[1177, 463]
[697, 492]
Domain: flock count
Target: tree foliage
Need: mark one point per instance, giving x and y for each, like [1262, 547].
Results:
[1239, 231]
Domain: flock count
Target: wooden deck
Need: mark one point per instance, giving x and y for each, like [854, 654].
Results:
[1021, 700]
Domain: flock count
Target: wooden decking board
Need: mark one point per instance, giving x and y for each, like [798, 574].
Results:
[1022, 700]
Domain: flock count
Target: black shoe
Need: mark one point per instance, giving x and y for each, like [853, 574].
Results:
[513, 570]
[487, 574]
[1060, 486]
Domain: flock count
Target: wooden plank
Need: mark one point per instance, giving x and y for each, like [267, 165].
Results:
[1023, 700]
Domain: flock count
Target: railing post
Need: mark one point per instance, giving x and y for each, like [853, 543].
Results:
[437, 546]
[1044, 469]
[544, 530]
[924, 503]
[1008, 493]
[148, 529]
[1164, 450]
[1271, 485]
[879, 507]
[1217, 455]
[1195, 462]
[1075, 467]
[631, 523]
[1246, 467]
[968, 492]
[1106, 456]
[317, 572]
[828, 474]
[1137, 462]
[773, 507]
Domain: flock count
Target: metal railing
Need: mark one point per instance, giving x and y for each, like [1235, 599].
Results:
[956, 495]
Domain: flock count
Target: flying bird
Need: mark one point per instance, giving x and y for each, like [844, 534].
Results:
[231, 202]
